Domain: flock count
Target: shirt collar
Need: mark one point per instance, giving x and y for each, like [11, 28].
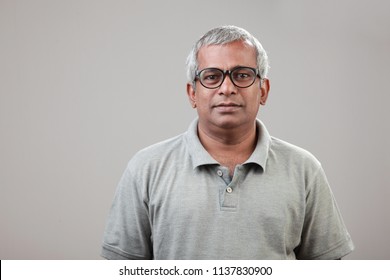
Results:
[198, 153]
[200, 156]
[260, 154]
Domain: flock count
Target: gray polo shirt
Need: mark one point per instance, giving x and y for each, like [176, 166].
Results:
[174, 201]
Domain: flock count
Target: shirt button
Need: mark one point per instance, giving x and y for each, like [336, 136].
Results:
[229, 190]
[220, 173]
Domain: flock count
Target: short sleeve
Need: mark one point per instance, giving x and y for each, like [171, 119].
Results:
[128, 233]
[324, 235]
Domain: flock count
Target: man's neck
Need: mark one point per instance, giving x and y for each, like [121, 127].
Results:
[229, 146]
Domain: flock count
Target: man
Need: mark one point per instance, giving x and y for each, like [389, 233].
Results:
[225, 189]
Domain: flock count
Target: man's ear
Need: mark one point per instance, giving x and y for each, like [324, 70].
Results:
[191, 94]
[264, 88]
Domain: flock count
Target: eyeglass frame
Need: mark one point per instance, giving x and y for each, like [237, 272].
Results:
[228, 72]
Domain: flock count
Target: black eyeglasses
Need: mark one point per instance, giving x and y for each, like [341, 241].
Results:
[240, 76]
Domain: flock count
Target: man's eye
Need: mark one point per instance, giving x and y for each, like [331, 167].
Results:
[211, 77]
[242, 76]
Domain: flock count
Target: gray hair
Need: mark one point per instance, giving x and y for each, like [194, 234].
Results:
[221, 36]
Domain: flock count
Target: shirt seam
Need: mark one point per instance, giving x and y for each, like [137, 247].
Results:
[338, 245]
[122, 253]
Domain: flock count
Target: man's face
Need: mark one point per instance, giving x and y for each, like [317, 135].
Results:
[227, 106]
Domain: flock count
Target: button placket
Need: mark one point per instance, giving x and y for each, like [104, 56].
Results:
[230, 193]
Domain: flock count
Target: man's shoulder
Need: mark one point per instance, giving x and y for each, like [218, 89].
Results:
[292, 153]
[160, 150]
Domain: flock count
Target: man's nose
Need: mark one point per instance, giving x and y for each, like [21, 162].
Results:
[227, 87]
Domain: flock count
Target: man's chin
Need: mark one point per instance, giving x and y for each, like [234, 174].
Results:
[227, 123]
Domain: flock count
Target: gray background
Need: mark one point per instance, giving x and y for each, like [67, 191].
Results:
[85, 84]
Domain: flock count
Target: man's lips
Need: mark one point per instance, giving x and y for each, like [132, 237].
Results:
[227, 104]
[227, 107]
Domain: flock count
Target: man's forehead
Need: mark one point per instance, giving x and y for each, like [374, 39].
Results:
[237, 50]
